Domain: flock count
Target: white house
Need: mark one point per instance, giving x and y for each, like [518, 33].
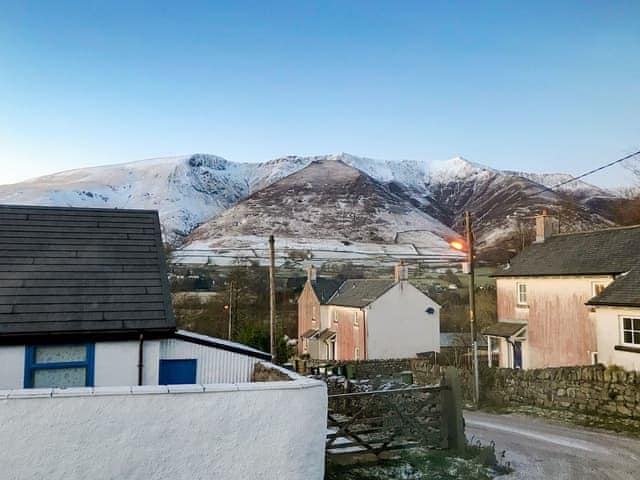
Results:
[366, 319]
[96, 382]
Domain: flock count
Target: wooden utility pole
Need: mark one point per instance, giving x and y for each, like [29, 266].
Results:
[472, 305]
[230, 306]
[272, 295]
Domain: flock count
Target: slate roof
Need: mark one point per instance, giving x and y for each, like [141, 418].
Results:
[503, 329]
[324, 288]
[623, 292]
[360, 293]
[611, 251]
[82, 271]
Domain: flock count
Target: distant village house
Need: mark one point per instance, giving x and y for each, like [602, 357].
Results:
[363, 319]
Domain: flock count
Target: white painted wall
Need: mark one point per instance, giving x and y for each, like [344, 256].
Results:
[11, 366]
[116, 363]
[398, 325]
[609, 334]
[273, 430]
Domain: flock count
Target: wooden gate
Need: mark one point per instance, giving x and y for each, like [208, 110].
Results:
[379, 421]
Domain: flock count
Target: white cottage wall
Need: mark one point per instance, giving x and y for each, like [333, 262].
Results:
[11, 366]
[398, 325]
[116, 363]
[217, 431]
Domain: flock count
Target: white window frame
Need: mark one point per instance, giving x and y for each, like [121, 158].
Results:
[632, 330]
[335, 316]
[356, 353]
[519, 301]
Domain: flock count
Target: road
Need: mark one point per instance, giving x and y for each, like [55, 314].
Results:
[540, 449]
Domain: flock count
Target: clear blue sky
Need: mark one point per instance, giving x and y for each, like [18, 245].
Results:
[536, 85]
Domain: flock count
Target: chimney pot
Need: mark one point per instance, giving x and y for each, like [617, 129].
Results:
[311, 273]
[402, 272]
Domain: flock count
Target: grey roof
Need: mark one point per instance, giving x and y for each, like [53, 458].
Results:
[611, 251]
[360, 293]
[503, 329]
[82, 271]
[623, 292]
[324, 288]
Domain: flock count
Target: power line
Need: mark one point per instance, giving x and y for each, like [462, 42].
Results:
[590, 172]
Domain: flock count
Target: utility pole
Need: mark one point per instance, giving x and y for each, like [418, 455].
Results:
[472, 306]
[230, 306]
[272, 295]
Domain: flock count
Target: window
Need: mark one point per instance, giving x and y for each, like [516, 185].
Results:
[597, 288]
[631, 331]
[355, 319]
[59, 366]
[335, 316]
[521, 293]
[356, 354]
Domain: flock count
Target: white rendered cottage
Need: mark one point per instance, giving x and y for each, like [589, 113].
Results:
[364, 319]
[96, 382]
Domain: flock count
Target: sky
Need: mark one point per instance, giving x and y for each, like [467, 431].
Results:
[540, 86]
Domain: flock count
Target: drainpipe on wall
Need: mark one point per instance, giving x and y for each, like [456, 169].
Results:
[140, 358]
[365, 353]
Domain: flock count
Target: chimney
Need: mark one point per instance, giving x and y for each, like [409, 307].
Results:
[402, 272]
[311, 273]
[546, 225]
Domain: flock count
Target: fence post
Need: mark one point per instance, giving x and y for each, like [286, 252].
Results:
[452, 421]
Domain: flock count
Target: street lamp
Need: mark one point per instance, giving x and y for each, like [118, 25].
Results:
[467, 247]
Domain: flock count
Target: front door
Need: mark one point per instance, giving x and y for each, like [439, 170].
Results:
[177, 372]
[517, 354]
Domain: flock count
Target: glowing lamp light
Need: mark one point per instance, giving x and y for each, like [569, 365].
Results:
[226, 307]
[457, 245]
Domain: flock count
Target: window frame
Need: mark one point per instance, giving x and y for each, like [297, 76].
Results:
[356, 321]
[356, 354]
[519, 301]
[31, 366]
[632, 330]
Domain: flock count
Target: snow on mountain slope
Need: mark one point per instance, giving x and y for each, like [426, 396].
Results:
[577, 187]
[190, 190]
[186, 190]
[326, 203]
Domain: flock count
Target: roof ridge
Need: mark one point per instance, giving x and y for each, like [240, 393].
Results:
[602, 230]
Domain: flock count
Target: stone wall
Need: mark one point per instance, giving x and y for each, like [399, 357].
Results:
[590, 390]
[369, 368]
[592, 394]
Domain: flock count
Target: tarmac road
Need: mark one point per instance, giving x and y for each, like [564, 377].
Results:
[541, 449]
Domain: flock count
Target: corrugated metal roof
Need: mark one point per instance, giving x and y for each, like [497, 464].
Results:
[611, 251]
[79, 271]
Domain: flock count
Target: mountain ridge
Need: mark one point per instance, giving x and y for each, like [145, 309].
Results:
[190, 190]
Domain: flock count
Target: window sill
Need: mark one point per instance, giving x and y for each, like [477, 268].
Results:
[627, 348]
[522, 306]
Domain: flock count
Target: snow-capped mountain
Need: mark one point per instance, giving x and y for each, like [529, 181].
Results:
[191, 190]
[327, 199]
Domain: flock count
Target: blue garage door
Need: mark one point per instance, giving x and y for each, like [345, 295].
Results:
[176, 372]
